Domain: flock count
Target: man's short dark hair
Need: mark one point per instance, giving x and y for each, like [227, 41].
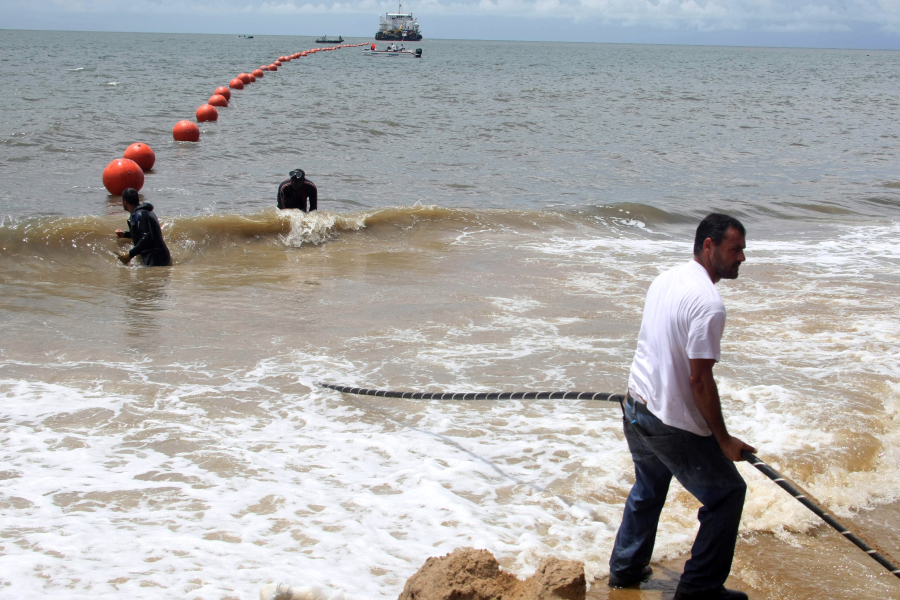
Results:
[130, 195]
[715, 226]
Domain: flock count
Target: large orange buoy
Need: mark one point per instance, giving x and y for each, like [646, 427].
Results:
[207, 113]
[142, 154]
[120, 174]
[264, 68]
[273, 67]
[257, 73]
[217, 100]
[252, 78]
[186, 131]
[224, 92]
[236, 84]
[245, 77]
[277, 63]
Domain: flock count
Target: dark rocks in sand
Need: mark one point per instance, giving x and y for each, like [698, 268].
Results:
[469, 574]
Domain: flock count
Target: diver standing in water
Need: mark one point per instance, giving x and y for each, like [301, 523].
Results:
[294, 192]
[673, 419]
[144, 232]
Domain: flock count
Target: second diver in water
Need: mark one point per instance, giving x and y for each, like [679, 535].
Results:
[294, 192]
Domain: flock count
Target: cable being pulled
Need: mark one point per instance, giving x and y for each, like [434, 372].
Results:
[447, 440]
[812, 504]
[783, 482]
[601, 396]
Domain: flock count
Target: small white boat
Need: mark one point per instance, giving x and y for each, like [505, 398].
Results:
[394, 53]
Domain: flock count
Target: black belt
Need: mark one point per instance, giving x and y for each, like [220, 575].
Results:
[638, 405]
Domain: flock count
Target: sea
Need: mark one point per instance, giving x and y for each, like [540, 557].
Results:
[490, 218]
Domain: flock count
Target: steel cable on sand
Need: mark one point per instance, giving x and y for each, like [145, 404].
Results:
[804, 498]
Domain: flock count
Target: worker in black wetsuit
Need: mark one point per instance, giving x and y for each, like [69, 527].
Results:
[294, 192]
[144, 232]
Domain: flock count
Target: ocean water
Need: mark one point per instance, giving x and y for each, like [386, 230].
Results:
[490, 219]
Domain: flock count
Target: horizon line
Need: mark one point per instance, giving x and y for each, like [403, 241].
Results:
[611, 43]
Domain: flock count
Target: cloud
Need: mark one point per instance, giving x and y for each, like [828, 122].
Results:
[773, 16]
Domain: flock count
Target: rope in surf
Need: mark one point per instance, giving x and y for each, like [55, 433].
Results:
[601, 396]
[812, 504]
[783, 482]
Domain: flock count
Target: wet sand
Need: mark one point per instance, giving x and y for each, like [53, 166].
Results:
[814, 566]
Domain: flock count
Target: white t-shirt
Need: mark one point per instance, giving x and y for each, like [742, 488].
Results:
[684, 317]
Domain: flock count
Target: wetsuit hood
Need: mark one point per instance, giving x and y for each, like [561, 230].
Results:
[142, 206]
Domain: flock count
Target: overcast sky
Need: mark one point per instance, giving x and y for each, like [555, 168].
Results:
[866, 24]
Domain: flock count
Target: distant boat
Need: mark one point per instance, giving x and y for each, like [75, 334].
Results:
[249, 37]
[394, 53]
[399, 26]
[325, 40]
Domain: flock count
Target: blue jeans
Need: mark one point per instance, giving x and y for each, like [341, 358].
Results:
[697, 462]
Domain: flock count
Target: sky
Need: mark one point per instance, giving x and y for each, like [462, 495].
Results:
[863, 24]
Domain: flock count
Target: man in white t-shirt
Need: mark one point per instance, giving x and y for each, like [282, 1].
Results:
[673, 419]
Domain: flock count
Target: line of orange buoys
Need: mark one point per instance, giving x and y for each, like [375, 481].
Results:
[128, 171]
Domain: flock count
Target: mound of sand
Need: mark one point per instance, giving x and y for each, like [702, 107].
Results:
[469, 574]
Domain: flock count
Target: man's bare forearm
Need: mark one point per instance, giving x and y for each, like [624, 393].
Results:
[706, 396]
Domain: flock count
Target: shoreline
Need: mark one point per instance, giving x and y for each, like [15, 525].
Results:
[812, 566]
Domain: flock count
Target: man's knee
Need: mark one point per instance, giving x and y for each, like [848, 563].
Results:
[731, 498]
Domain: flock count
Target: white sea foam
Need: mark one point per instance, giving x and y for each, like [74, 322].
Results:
[318, 226]
[205, 479]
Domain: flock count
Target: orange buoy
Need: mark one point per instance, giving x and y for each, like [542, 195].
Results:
[142, 154]
[120, 174]
[264, 68]
[295, 55]
[245, 77]
[277, 63]
[252, 78]
[207, 113]
[257, 73]
[304, 53]
[273, 67]
[236, 84]
[217, 100]
[186, 131]
[223, 91]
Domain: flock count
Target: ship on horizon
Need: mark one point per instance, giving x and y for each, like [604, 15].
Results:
[399, 26]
